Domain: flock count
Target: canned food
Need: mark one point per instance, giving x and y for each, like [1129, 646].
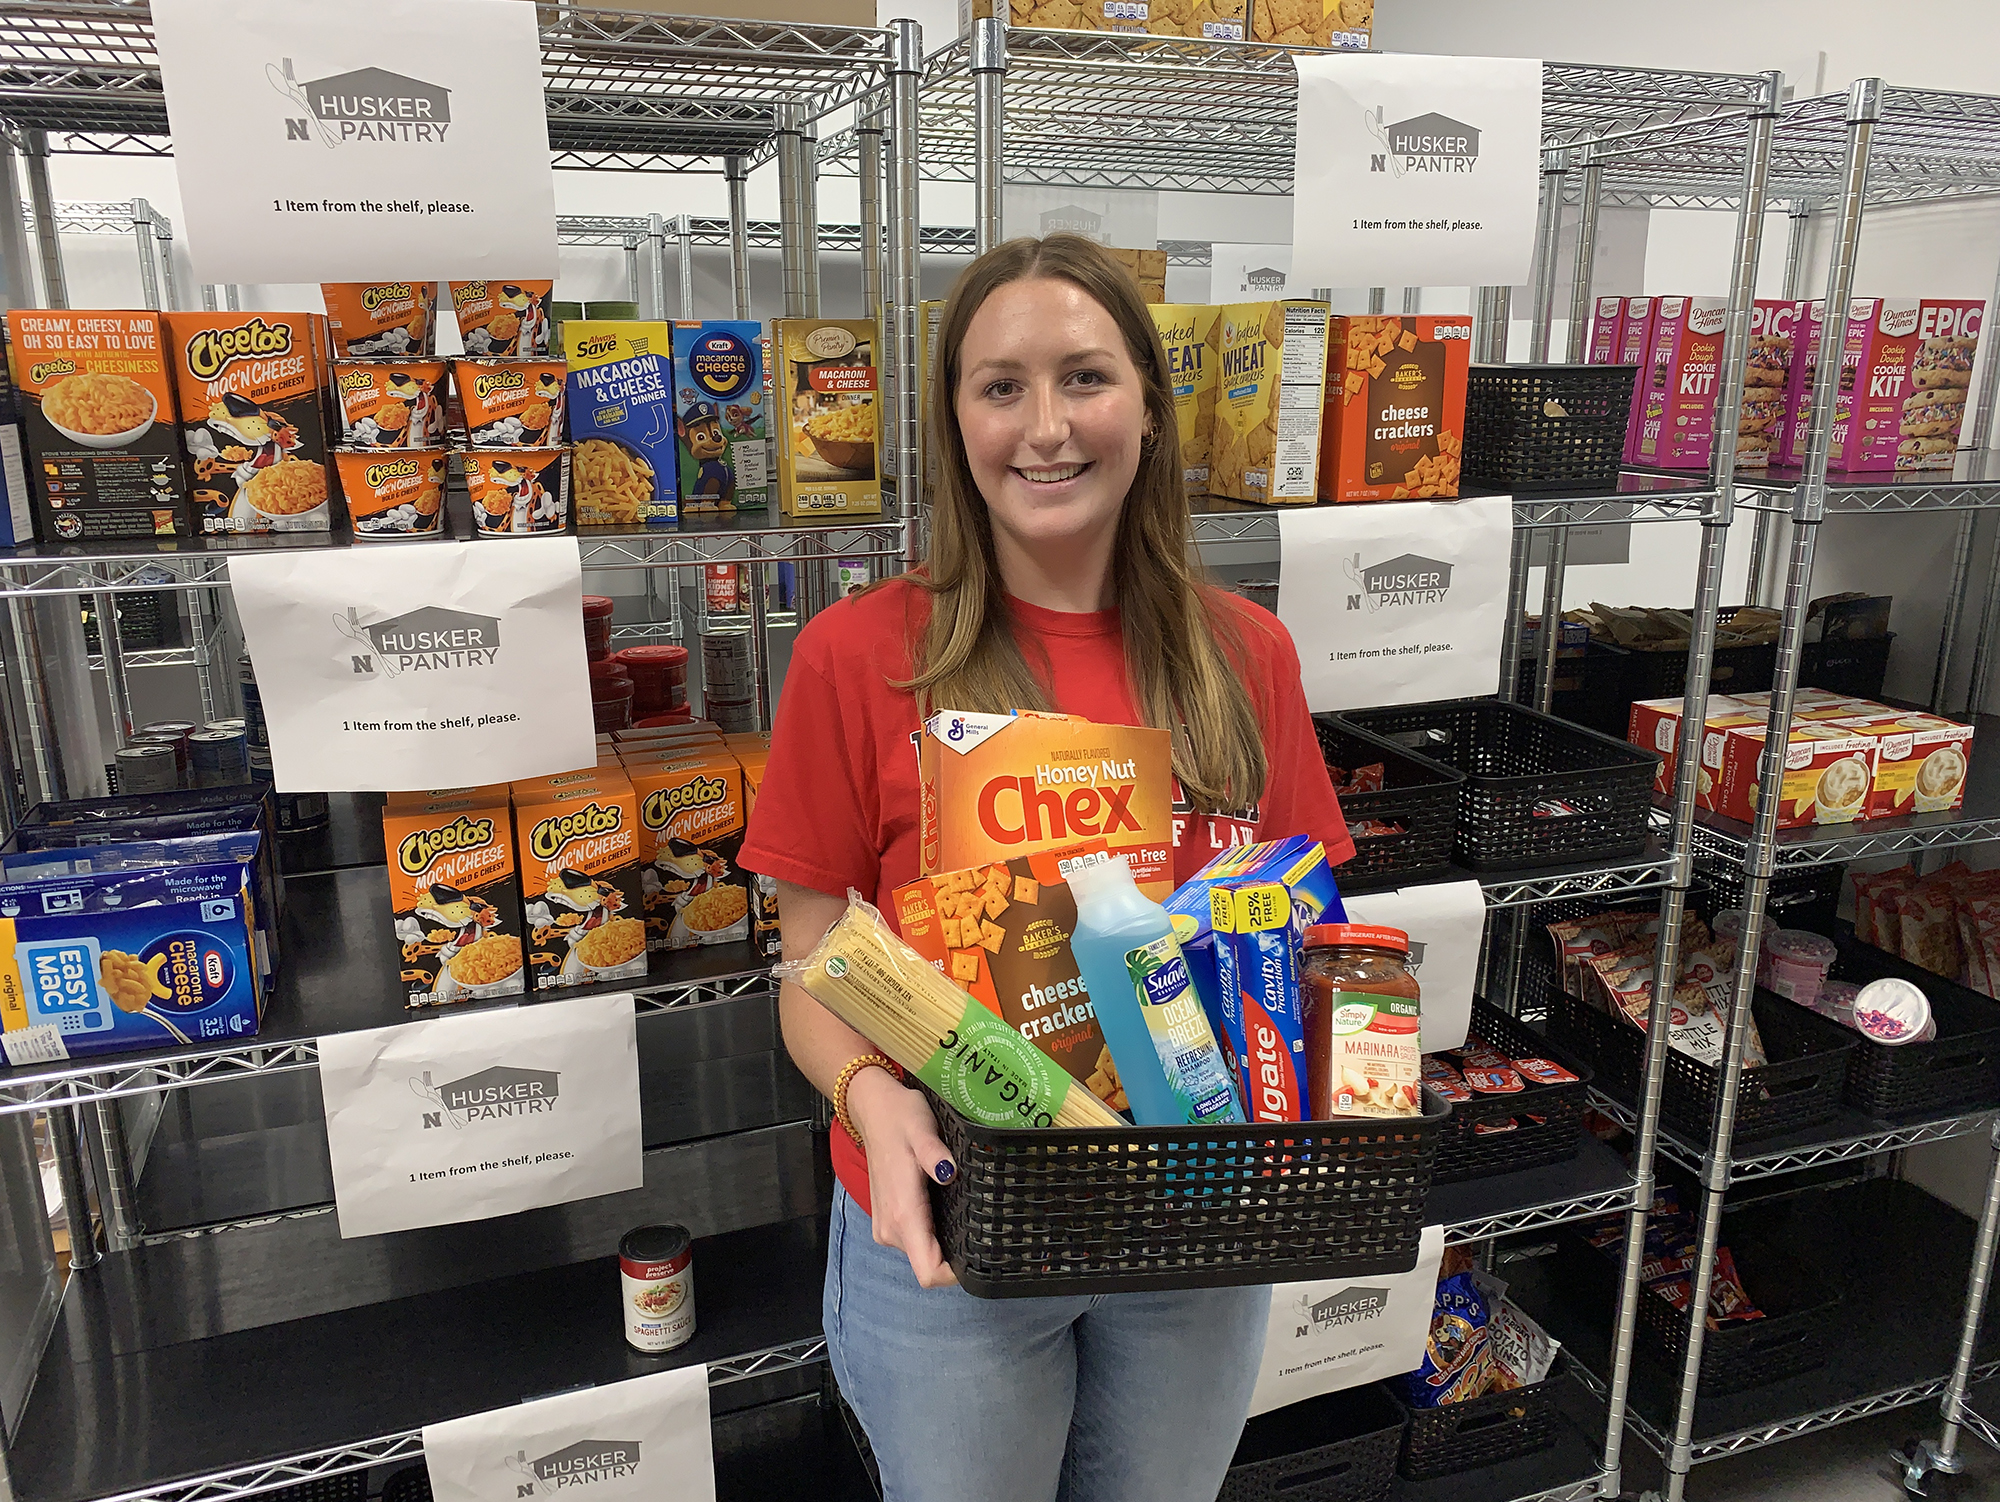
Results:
[393, 495]
[220, 758]
[502, 318]
[511, 403]
[174, 743]
[146, 769]
[253, 709]
[390, 404]
[656, 1271]
[520, 492]
[298, 812]
[234, 723]
[722, 588]
[169, 727]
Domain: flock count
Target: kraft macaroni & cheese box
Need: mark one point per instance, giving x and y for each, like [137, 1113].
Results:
[720, 416]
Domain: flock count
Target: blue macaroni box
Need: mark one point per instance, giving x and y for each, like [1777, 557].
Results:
[624, 457]
[720, 416]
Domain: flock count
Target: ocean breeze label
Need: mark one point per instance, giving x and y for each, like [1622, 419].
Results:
[466, 1117]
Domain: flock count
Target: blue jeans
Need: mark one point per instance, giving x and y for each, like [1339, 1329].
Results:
[1127, 1397]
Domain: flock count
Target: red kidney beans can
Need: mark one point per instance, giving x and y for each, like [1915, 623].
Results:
[656, 1271]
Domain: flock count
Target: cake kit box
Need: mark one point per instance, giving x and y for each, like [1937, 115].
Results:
[1270, 390]
[455, 896]
[1774, 334]
[96, 401]
[623, 456]
[1190, 336]
[692, 813]
[1829, 777]
[252, 399]
[830, 439]
[719, 419]
[1607, 331]
[1394, 422]
[1635, 341]
[1920, 764]
[582, 899]
[1677, 404]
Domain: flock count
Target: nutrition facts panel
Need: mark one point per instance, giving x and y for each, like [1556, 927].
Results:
[1295, 455]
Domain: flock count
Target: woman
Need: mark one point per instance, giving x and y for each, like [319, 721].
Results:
[1058, 578]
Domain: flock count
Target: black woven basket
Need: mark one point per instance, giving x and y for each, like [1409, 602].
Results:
[1802, 898]
[1121, 1210]
[1802, 1086]
[1538, 791]
[1600, 704]
[1464, 1152]
[1417, 793]
[1457, 1437]
[1663, 675]
[411, 1484]
[1958, 1070]
[1855, 667]
[348, 1486]
[1340, 1447]
[1546, 427]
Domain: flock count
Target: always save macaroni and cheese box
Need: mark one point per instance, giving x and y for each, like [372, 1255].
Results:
[830, 438]
[1270, 388]
[692, 812]
[1395, 407]
[624, 458]
[720, 416]
[454, 899]
[581, 898]
[1188, 334]
[996, 786]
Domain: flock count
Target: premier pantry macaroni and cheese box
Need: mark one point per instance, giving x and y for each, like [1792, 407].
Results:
[998, 786]
[454, 896]
[252, 398]
[581, 898]
[830, 441]
[1188, 334]
[1395, 408]
[95, 395]
[720, 421]
[624, 458]
[692, 812]
[1270, 388]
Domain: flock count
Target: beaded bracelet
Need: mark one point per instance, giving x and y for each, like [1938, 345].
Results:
[853, 1067]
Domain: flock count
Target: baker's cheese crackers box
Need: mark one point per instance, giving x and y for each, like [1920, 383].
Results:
[997, 786]
[1269, 391]
[691, 819]
[720, 418]
[581, 896]
[830, 443]
[1394, 425]
[1342, 24]
[1188, 335]
[624, 458]
[1677, 402]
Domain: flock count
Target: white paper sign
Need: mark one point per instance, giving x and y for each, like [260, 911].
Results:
[483, 1114]
[369, 140]
[645, 1439]
[1416, 171]
[1336, 1333]
[1124, 217]
[1445, 921]
[1250, 273]
[1395, 603]
[418, 665]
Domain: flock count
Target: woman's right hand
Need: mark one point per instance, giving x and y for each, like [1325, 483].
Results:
[904, 1151]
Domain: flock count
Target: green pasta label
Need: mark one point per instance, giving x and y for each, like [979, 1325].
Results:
[992, 1075]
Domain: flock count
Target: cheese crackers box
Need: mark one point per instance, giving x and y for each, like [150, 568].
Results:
[995, 786]
[581, 898]
[1342, 24]
[1205, 20]
[830, 445]
[691, 818]
[253, 420]
[1001, 933]
[96, 402]
[454, 897]
[1395, 407]
[624, 458]
[1187, 335]
[720, 416]
[1270, 388]
[1677, 412]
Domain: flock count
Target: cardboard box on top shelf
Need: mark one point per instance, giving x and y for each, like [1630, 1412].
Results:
[1146, 267]
[1344, 24]
[795, 12]
[1209, 20]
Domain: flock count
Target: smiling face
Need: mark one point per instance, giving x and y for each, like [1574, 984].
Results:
[1052, 411]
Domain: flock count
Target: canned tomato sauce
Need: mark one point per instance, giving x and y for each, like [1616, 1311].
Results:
[656, 1271]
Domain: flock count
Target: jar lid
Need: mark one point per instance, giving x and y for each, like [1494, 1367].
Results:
[609, 668]
[1801, 944]
[652, 657]
[1322, 935]
[597, 607]
[654, 1243]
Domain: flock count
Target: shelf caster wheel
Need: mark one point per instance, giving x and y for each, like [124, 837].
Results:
[1918, 1460]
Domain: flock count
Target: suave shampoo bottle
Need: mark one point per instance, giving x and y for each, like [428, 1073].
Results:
[1160, 1039]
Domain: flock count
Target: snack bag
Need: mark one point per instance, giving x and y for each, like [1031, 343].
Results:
[720, 417]
[1191, 366]
[1273, 360]
[1457, 1364]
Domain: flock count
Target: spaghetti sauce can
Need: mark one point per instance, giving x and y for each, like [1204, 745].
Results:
[656, 1273]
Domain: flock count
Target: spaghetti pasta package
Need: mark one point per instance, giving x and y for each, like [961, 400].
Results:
[999, 786]
[691, 819]
[978, 1065]
[380, 320]
[502, 318]
[621, 421]
[578, 845]
[1188, 335]
[830, 446]
[454, 898]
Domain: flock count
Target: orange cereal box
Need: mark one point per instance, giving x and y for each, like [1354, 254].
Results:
[1394, 425]
[96, 401]
[691, 817]
[455, 901]
[502, 318]
[580, 896]
[381, 320]
[998, 786]
[253, 420]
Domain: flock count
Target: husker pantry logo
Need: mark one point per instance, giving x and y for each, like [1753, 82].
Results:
[579, 1464]
[497, 1093]
[1423, 145]
[1350, 1306]
[1071, 219]
[363, 104]
[1406, 579]
[429, 639]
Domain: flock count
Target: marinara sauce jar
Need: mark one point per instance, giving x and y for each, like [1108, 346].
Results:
[1345, 962]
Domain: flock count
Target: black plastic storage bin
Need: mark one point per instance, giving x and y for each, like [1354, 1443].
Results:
[1464, 1153]
[1805, 897]
[1958, 1070]
[1802, 1085]
[1339, 1447]
[1855, 666]
[1417, 793]
[1546, 427]
[1501, 1426]
[1120, 1210]
[1600, 704]
[1521, 768]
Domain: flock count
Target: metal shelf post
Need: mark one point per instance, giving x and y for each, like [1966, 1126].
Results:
[737, 171]
[1491, 310]
[684, 237]
[792, 210]
[142, 231]
[989, 79]
[906, 62]
[1764, 523]
[869, 136]
[48, 240]
[1555, 164]
[1943, 1455]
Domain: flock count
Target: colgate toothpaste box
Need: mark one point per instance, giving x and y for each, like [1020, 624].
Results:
[1774, 331]
[1607, 330]
[997, 786]
[1677, 398]
[1262, 1011]
[1902, 395]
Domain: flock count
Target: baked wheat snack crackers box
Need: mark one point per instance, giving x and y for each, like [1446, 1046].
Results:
[624, 459]
[95, 396]
[1395, 408]
[830, 446]
[1206, 20]
[995, 786]
[1185, 334]
[253, 409]
[1269, 391]
[720, 418]
[691, 817]
[454, 897]
[578, 847]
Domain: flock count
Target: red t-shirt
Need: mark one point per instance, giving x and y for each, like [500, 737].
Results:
[839, 804]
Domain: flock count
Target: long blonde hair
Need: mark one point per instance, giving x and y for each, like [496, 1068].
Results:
[1182, 675]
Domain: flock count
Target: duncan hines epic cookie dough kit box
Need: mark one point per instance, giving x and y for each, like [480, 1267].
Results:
[95, 395]
[1676, 427]
[1774, 332]
[996, 786]
[1607, 330]
[1270, 389]
[1902, 400]
[1190, 335]
[1395, 408]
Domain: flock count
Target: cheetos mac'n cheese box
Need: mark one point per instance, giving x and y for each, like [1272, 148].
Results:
[577, 838]
[455, 901]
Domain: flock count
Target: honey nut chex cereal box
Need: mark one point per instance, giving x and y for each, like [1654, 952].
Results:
[1189, 335]
[1395, 408]
[1269, 393]
[453, 894]
[1000, 932]
[578, 846]
[997, 786]
[691, 819]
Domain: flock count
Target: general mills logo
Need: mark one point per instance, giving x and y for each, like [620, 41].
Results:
[1423, 144]
[580, 1464]
[363, 104]
[493, 1094]
[1407, 579]
[1350, 1306]
[428, 639]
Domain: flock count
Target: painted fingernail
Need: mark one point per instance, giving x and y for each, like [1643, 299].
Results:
[944, 1171]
